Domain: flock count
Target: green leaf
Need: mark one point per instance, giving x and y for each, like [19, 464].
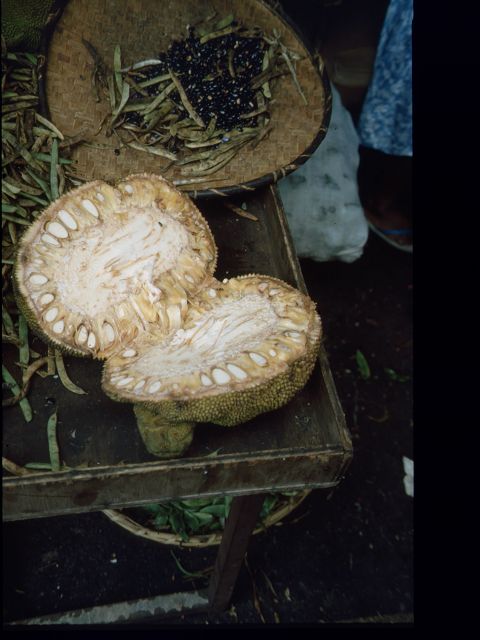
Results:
[123, 102]
[268, 504]
[24, 403]
[362, 365]
[195, 503]
[192, 521]
[228, 504]
[117, 64]
[24, 349]
[184, 571]
[160, 520]
[224, 22]
[177, 523]
[8, 208]
[152, 508]
[31, 57]
[7, 321]
[205, 519]
[397, 377]
[53, 169]
[215, 509]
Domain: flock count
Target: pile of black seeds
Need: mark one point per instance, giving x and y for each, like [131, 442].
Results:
[205, 72]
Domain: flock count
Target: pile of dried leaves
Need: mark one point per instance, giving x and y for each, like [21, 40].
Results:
[35, 171]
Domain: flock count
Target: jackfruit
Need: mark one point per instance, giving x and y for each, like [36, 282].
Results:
[102, 264]
[23, 23]
[126, 274]
[246, 346]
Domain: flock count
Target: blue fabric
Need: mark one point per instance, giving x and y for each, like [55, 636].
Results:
[385, 123]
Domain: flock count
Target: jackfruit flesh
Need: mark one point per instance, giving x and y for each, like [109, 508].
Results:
[246, 346]
[102, 265]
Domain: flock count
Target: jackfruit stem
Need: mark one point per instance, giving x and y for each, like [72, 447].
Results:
[162, 438]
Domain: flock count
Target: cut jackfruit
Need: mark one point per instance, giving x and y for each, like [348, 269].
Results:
[103, 264]
[125, 274]
[246, 346]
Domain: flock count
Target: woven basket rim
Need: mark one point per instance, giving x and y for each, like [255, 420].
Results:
[205, 540]
[236, 189]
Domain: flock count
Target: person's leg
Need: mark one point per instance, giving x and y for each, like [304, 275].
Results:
[385, 190]
[385, 131]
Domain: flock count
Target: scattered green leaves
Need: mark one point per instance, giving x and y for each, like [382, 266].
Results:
[186, 517]
[200, 516]
[33, 173]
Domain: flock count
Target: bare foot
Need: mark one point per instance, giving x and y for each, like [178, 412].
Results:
[389, 223]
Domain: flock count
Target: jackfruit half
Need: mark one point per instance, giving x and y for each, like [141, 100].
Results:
[103, 264]
[246, 346]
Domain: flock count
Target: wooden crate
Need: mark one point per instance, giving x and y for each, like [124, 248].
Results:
[304, 445]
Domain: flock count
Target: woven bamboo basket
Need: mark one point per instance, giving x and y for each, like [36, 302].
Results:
[143, 28]
[287, 505]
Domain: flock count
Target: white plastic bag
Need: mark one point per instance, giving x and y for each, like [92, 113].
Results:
[321, 197]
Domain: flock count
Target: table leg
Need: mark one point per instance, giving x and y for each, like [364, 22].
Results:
[240, 523]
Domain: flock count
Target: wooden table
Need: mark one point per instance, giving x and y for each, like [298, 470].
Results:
[304, 445]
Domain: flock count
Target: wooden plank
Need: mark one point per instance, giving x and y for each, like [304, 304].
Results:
[240, 523]
[50, 494]
[95, 430]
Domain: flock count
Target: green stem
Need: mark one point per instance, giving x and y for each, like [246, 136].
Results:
[161, 438]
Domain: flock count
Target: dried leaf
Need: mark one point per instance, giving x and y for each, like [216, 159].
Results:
[157, 151]
[52, 442]
[123, 101]
[39, 466]
[13, 468]
[117, 65]
[33, 368]
[62, 373]
[39, 118]
[53, 170]
[186, 102]
[241, 212]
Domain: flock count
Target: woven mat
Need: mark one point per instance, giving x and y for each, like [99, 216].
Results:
[143, 28]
